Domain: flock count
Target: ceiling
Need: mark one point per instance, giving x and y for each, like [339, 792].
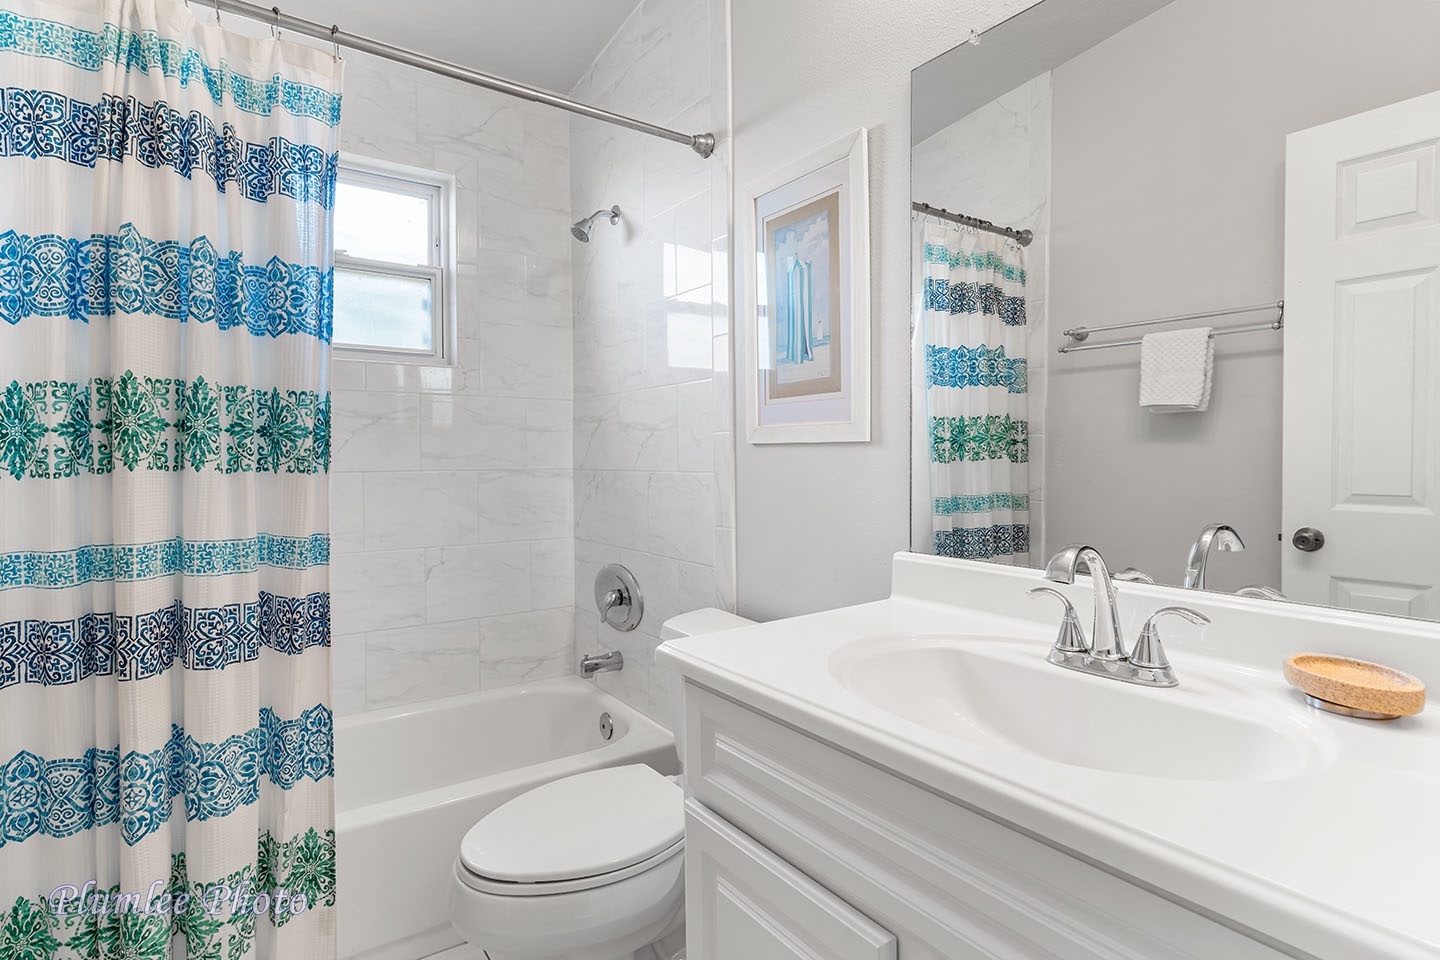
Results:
[544, 43]
[1037, 39]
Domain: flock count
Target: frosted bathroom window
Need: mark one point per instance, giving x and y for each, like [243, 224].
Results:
[393, 262]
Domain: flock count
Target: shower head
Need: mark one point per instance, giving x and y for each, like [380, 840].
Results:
[581, 229]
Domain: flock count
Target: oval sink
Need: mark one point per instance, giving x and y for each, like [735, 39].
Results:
[981, 688]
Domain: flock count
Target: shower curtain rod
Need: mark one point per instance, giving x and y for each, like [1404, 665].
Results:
[1022, 237]
[701, 143]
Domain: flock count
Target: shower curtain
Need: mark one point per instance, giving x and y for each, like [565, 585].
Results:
[165, 317]
[972, 319]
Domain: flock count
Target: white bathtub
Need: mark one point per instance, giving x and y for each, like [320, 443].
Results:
[410, 781]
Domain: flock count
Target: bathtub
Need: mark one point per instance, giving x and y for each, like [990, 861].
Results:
[410, 781]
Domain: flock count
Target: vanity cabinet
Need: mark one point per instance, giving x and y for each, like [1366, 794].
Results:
[744, 901]
[797, 849]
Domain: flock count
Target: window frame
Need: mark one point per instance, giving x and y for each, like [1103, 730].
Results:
[439, 189]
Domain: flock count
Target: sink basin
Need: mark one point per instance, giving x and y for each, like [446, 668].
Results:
[1003, 692]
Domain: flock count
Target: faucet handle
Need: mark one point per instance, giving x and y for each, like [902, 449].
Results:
[1134, 575]
[1149, 652]
[1071, 638]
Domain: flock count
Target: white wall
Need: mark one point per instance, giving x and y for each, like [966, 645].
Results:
[652, 442]
[805, 73]
[1169, 154]
[451, 486]
[994, 164]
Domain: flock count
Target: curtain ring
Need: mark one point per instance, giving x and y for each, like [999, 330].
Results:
[275, 27]
[334, 29]
[217, 13]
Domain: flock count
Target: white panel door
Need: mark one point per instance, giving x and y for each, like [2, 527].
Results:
[1362, 360]
[744, 903]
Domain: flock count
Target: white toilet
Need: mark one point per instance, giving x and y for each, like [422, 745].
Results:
[590, 867]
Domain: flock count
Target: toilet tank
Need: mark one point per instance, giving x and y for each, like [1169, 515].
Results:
[693, 624]
[702, 621]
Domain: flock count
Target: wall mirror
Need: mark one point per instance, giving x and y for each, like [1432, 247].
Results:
[1264, 168]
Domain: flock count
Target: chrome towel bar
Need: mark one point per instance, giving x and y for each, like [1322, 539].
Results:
[1078, 335]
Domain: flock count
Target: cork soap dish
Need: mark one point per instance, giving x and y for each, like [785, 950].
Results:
[1355, 688]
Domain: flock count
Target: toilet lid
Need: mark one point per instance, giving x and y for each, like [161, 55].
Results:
[582, 826]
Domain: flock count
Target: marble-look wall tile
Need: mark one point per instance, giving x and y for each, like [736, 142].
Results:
[680, 511]
[678, 343]
[452, 497]
[526, 646]
[347, 512]
[725, 568]
[347, 672]
[477, 580]
[610, 507]
[609, 352]
[375, 591]
[674, 176]
[422, 663]
[511, 288]
[490, 433]
[524, 505]
[695, 403]
[723, 445]
[375, 431]
[628, 431]
[552, 572]
[526, 362]
[648, 305]
[420, 509]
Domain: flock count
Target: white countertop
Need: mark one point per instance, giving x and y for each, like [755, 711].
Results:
[1340, 862]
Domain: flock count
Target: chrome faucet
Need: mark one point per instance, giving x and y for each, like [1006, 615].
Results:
[601, 663]
[1106, 640]
[1216, 535]
[1104, 655]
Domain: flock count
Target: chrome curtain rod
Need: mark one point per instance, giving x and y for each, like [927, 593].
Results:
[1022, 237]
[701, 143]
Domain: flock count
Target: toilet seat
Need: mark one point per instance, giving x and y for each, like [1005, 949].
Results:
[633, 820]
[508, 888]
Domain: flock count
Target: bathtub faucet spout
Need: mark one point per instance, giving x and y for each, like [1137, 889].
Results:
[601, 663]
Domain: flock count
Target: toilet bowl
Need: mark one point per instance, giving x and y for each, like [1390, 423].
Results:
[589, 867]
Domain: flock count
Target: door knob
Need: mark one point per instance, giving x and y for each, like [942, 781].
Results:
[1308, 539]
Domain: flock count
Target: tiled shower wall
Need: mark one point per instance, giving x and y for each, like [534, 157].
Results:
[451, 486]
[653, 449]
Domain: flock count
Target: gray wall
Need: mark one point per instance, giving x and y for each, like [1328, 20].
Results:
[818, 523]
[1168, 187]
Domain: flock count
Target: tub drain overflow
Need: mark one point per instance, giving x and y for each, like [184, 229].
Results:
[607, 727]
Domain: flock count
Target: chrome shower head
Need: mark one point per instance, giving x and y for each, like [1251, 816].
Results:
[581, 228]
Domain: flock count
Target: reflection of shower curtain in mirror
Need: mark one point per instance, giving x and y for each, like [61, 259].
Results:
[977, 411]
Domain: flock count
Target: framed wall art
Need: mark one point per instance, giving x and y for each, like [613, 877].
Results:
[807, 355]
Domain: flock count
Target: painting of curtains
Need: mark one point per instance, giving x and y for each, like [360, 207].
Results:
[972, 315]
[166, 762]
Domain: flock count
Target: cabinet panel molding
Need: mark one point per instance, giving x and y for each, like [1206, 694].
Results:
[745, 903]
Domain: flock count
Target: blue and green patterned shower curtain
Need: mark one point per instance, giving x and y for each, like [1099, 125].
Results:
[977, 414]
[165, 316]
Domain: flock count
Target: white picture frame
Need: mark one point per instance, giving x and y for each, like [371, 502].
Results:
[805, 252]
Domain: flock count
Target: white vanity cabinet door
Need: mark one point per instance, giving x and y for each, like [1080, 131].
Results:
[745, 903]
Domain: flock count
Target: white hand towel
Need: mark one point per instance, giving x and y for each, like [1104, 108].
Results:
[1175, 370]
